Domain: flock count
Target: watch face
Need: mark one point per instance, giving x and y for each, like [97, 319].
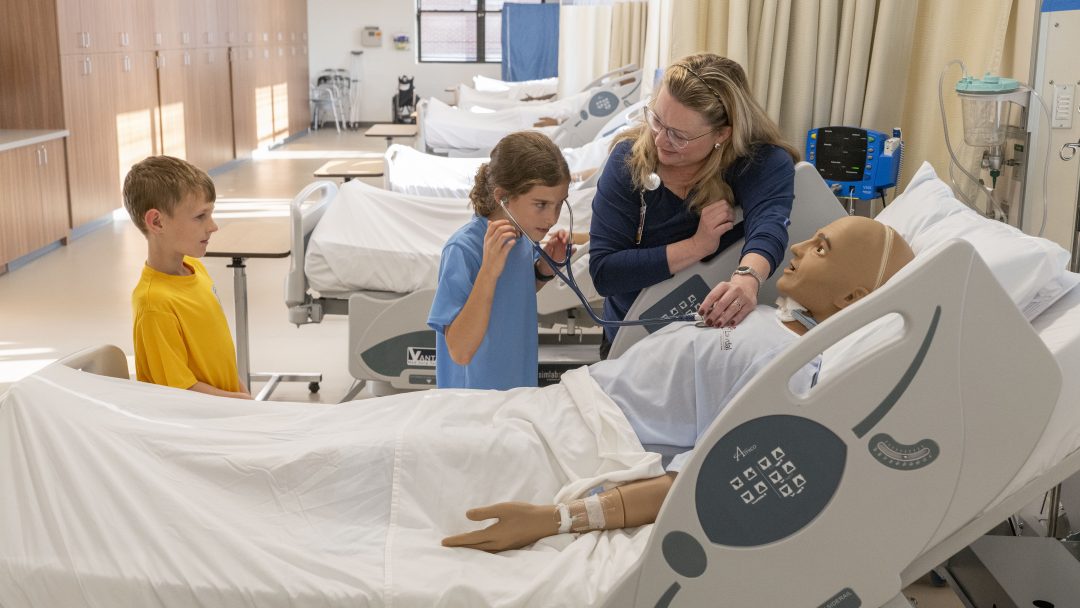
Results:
[743, 270]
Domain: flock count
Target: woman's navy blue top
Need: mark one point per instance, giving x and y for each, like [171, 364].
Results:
[763, 184]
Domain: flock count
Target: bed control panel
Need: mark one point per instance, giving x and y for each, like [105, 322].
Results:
[683, 300]
[766, 479]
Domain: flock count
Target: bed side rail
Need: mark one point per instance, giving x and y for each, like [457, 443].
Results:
[104, 360]
[608, 76]
[814, 206]
[303, 219]
[825, 498]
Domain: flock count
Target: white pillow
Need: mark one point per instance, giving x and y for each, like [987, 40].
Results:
[1031, 269]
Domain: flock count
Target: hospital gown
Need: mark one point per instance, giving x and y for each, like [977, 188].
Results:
[672, 385]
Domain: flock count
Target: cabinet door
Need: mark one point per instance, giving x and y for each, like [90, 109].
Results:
[136, 110]
[214, 99]
[243, 68]
[18, 184]
[54, 193]
[73, 36]
[207, 27]
[90, 83]
[281, 93]
[110, 24]
[178, 116]
[299, 104]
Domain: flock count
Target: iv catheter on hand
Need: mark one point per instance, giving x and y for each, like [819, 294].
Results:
[568, 278]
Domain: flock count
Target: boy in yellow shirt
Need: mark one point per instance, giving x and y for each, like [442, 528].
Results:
[181, 335]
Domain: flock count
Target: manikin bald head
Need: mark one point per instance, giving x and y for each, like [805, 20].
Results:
[841, 264]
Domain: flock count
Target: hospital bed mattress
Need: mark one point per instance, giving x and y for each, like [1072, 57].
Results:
[446, 127]
[410, 171]
[378, 240]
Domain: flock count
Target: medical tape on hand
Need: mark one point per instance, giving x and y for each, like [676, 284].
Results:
[595, 512]
[564, 518]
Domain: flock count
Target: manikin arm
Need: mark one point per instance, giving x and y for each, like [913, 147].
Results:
[520, 524]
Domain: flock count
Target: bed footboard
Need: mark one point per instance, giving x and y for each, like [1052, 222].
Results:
[105, 360]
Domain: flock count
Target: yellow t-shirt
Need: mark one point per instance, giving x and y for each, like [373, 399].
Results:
[181, 334]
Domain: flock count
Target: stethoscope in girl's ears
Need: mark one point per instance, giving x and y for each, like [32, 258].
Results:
[568, 277]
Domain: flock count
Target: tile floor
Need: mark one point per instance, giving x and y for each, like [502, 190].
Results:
[79, 295]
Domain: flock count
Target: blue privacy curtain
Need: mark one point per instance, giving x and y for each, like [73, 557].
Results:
[530, 41]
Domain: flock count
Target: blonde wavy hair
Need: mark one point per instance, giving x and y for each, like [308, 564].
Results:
[518, 162]
[716, 87]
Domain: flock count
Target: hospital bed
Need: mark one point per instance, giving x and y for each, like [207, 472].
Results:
[373, 255]
[885, 470]
[410, 171]
[512, 94]
[447, 130]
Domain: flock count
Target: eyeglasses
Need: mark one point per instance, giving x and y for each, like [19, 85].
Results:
[677, 139]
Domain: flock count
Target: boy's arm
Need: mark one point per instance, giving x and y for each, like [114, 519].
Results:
[202, 387]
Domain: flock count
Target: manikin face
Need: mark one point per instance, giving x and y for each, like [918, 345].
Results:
[682, 136]
[835, 268]
[187, 231]
[538, 209]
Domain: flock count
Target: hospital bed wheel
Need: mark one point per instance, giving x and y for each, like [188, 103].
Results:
[313, 387]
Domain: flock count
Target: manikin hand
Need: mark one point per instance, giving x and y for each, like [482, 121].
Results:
[716, 219]
[498, 242]
[520, 524]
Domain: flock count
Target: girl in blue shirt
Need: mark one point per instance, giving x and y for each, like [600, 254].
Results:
[712, 147]
[484, 312]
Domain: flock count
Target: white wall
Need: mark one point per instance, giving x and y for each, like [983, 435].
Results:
[334, 29]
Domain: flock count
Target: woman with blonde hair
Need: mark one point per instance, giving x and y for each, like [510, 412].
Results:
[667, 195]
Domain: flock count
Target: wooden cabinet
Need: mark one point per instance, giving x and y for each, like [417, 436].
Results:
[99, 26]
[33, 199]
[299, 92]
[196, 108]
[90, 83]
[244, 70]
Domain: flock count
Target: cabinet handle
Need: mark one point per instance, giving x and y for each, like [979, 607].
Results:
[157, 38]
[45, 154]
[87, 39]
[39, 162]
[159, 61]
[187, 58]
[88, 66]
[185, 38]
[127, 63]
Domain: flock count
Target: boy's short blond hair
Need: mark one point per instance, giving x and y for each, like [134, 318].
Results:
[161, 182]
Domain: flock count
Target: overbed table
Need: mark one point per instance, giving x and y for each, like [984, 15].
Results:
[240, 239]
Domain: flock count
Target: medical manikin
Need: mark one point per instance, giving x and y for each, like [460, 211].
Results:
[844, 262]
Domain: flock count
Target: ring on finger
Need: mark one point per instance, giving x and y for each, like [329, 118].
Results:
[738, 304]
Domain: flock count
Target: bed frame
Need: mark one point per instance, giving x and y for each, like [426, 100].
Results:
[901, 457]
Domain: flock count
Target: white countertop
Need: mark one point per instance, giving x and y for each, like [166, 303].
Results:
[17, 138]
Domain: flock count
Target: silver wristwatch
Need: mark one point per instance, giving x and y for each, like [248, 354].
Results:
[750, 271]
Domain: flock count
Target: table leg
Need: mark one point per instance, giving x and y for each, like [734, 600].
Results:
[240, 297]
[389, 141]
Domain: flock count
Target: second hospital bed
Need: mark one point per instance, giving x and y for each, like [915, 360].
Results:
[884, 471]
[373, 255]
[447, 130]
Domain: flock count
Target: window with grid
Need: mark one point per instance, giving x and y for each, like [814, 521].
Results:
[461, 31]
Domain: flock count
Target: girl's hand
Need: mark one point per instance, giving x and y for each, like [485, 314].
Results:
[556, 248]
[729, 302]
[499, 240]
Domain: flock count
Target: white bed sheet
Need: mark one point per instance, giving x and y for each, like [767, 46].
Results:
[447, 127]
[143, 495]
[523, 88]
[375, 239]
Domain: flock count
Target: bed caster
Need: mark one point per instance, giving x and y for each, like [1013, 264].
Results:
[313, 387]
